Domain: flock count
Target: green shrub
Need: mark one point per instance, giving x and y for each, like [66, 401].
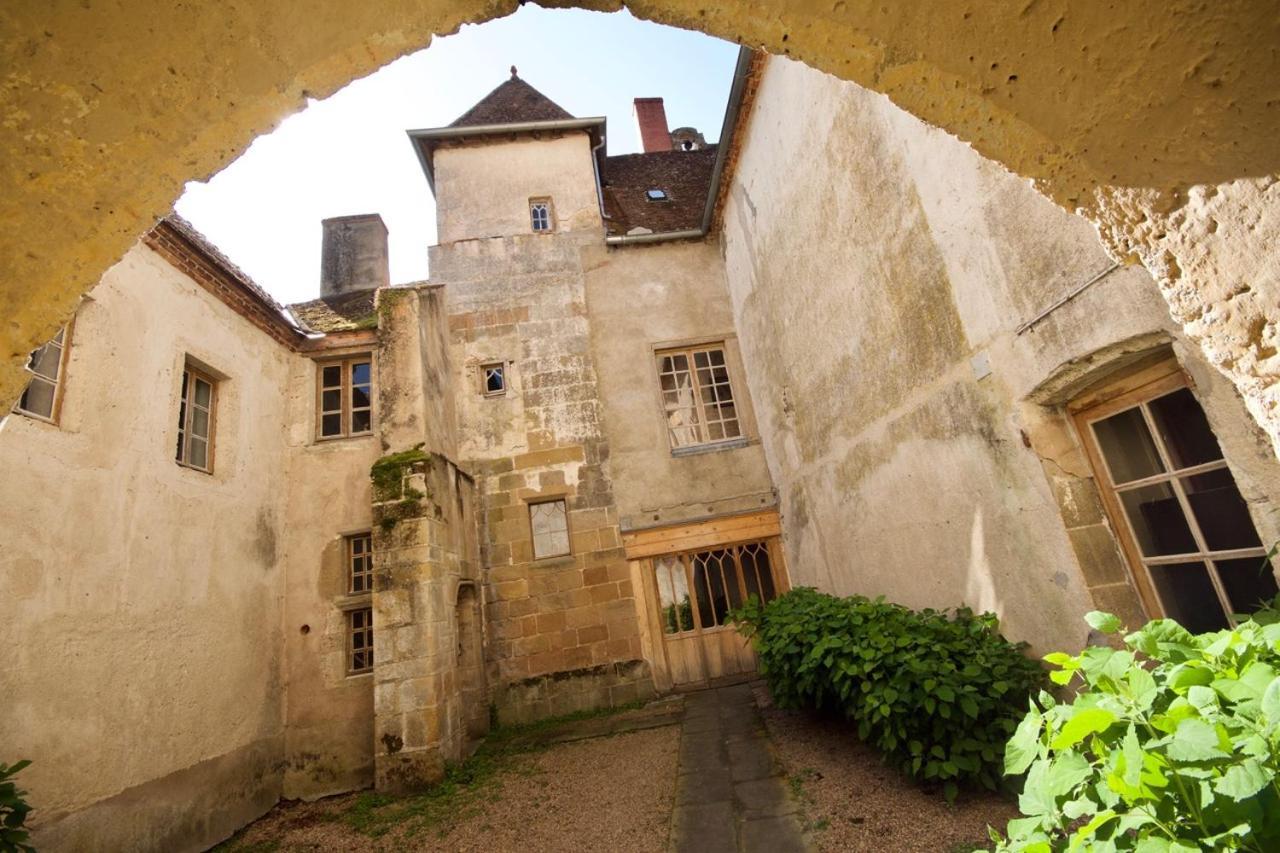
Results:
[1170, 745]
[13, 810]
[938, 694]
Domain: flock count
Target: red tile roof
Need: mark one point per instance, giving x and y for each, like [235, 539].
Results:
[685, 176]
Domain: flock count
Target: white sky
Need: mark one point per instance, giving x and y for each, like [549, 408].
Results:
[349, 153]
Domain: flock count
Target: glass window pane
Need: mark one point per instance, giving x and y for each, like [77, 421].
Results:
[38, 398]
[204, 393]
[360, 373]
[361, 421]
[1220, 511]
[200, 423]
[701, 592]
[1127, 446]
[332, 376]
[757, 572]
[1249, 582]
[1184, 429]
[360, 398]
[331, 401]
[1189, 597]
[673, 595]
[331, 425]
[44, 361]
[550, 529]
[1157, 521]
[198, 452]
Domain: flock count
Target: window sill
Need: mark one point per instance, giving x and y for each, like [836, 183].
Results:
[556, 562]
[365, 673]
[208, 472]
[698, 449]
[353, 601]
[339, 439]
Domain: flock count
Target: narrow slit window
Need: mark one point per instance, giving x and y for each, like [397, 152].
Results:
[360, 564]
[43, 393]
[540, 214]
[345, 397]
[195, 420]
[1184, 525]
[360, 640]
[549, 522]
[495, 379]
[697, 397]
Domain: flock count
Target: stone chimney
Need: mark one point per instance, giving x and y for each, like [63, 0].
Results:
[353, 255]
[652, 118]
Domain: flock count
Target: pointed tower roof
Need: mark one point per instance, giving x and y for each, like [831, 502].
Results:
[515, 101]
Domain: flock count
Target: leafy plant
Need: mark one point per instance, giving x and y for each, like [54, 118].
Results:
[937, 693]
[1170, 745]
[13, 810]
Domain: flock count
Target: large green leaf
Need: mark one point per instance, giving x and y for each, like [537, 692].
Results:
[1243, 780]
[1107, 623]
[1081, 725]
[1194, 740]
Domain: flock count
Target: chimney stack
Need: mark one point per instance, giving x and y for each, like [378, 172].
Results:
[652, 118]
[353, 255]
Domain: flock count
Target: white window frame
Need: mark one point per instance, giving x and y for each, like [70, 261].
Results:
[61, 341]
[548, 217]
[187, 409]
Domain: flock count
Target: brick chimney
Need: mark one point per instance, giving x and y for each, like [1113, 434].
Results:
[652, 118]
[353, 254]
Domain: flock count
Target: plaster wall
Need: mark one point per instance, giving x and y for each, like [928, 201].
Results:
[329, 714]
[483, 188]
[645, 297]
[879, 270]
[144, 674]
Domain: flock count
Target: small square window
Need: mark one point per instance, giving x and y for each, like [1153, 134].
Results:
[359, 640]
[657, 195]
[540, 214]
[195, 420]
[495, 379]
[360, 564]
[345, 397]
[549, 522]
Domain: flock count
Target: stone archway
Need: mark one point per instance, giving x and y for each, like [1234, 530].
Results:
[1157, 120]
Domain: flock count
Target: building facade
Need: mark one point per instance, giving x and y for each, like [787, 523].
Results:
[255, 553]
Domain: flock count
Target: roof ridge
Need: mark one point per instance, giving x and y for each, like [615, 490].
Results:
[511, 101]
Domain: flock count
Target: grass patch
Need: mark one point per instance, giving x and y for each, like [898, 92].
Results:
[466, 786]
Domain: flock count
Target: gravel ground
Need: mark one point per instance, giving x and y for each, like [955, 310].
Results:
[853, 802]
[611, 793]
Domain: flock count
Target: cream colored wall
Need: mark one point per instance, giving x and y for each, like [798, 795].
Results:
[483, 189]
[329, 719]
[143, 675]
[666, 294]
[871, 261]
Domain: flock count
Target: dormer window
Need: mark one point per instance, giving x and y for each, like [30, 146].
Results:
[540, 214]
[656, 194]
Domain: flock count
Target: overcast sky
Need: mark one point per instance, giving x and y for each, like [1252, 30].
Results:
[349, 153]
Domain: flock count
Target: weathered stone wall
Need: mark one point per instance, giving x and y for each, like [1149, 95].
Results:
[144, 674]
[879, 289]
[668, 294]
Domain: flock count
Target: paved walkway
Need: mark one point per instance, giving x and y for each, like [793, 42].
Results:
[730, 794]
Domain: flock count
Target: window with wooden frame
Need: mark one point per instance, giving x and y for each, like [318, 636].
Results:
[549, 526]
[345, 397]
[360, 563]
[493, 378]
[540, 215]
[1183, 525]
[697, 589]
[697, 396]
[196, 409]
[359, 640]
[47, 365]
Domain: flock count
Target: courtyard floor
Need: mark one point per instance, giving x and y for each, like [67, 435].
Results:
[719, 770]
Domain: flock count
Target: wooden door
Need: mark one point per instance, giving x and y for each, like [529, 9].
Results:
[693, 593]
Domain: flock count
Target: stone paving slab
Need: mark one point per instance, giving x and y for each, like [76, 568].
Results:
[730, 792]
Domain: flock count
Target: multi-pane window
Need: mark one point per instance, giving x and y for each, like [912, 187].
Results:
[359, 640]
[46, 365]
[540, 214]
[195, 420]
[495, 379]
[549, 522]
[1186, 527]
[697, 590]
[346, 397]
[360, 563]
[697, 396]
